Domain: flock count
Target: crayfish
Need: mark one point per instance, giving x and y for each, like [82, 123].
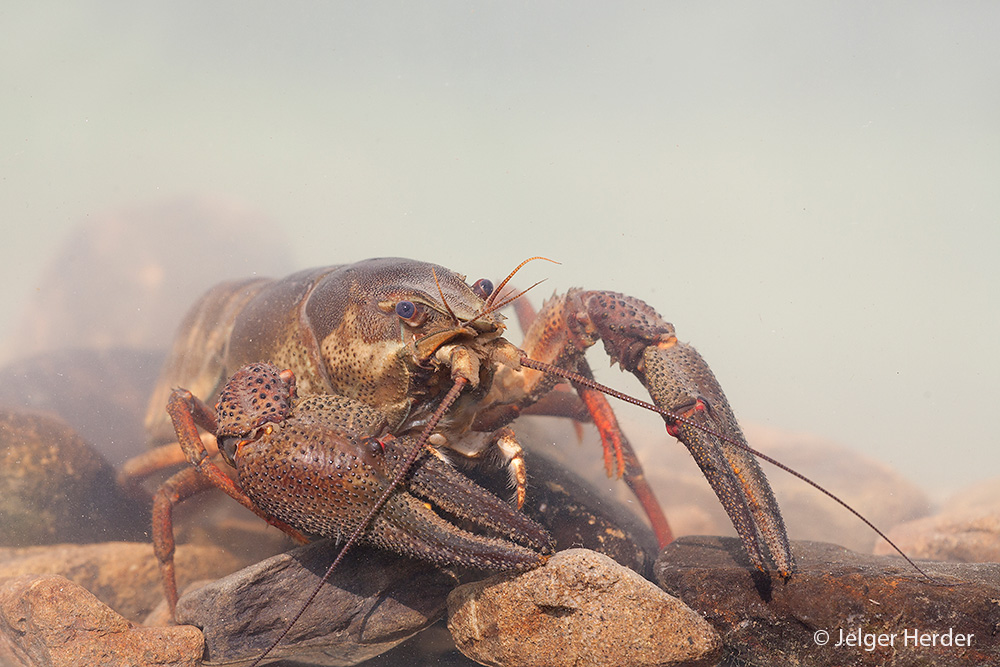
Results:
[401, 364]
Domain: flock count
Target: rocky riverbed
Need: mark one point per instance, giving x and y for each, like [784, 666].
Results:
[98, 600]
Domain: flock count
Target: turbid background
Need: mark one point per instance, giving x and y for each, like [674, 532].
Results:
[810, 193]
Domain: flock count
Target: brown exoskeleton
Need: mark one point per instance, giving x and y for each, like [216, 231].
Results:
[396, 335]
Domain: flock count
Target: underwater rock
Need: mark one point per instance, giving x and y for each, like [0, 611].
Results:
[878, 608]
[966, 530]
[123, 575]
[374, 600]
[961, 537]
[982, 496]
[48, 621]
[579, 608]
[54, 487]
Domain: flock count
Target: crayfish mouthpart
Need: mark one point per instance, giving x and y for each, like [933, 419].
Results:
[463, 363]
[507, 354]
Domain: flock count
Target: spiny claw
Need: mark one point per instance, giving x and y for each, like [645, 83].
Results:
[408, 518]
[334, 462]
[680, 381]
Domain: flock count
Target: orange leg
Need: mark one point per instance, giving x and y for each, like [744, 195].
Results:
[138, 468]
[184, 484]
[628, 465]
[187, 413]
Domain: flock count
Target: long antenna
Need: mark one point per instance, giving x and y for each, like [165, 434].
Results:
[593, 384]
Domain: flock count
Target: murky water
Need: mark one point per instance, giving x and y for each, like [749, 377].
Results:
[807, 193]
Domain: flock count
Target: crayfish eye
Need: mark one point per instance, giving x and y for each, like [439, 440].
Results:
[406, 309]
[483, 287]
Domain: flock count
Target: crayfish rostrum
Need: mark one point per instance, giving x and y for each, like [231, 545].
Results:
[391, 354]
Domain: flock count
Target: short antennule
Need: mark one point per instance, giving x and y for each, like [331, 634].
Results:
[503, 283]
[437, 283]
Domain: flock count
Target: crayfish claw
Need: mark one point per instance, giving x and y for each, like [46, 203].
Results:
[680, 381]
[697, 413]
[438, 482]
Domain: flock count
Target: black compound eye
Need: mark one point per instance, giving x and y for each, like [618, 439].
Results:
[406, 309]
[483, 287]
